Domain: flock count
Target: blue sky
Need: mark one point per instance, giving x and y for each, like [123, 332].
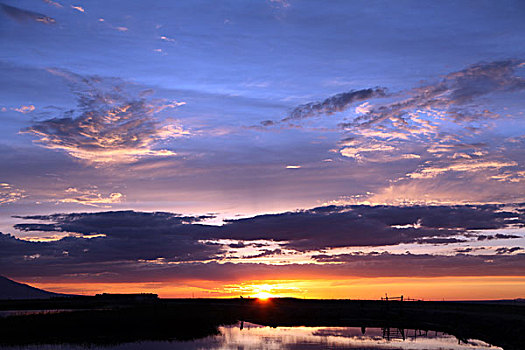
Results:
[243, 108]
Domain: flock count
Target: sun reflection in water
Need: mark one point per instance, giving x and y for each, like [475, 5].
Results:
[252, 336]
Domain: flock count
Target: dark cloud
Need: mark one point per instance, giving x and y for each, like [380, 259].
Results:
[496, 236]
[362, 225]
[110, 125]
[506, 250]
[25, 15]
[313, 229]
[123, 241]
[111, 237]
[468, 249]
[333, 104]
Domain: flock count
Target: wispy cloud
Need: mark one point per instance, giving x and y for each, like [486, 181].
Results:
[109, 125]
[25, 15]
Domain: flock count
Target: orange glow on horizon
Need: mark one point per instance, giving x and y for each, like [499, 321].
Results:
[425, 288]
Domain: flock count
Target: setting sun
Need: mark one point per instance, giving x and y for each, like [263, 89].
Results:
[263, 291]
[263, 295]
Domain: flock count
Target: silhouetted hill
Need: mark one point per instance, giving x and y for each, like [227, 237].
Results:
[10, 289]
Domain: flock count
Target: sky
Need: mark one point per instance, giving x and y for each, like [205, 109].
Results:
[341, 149]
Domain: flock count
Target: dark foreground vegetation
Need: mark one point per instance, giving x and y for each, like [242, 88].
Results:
[98, 321]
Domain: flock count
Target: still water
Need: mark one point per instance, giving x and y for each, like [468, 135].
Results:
[253, 336]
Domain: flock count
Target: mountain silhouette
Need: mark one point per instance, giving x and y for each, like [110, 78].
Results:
[10, 289]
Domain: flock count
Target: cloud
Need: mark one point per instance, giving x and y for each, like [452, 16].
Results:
[313, 229]
[78, 8]
[53, 3]
[158, 245]
[446, 131]
[358, 150]
[10, 194]
[420, 111]
[165, 38]
[362, 225]
[333, 104]
[449, 188]
[25, 109]
[70, 267]
[506, 250]
[91, 197]
[21, 15]
[452, 96]
[460, 165]
[109, 126]
[112, 237]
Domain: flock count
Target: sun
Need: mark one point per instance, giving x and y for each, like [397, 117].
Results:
[263, 295]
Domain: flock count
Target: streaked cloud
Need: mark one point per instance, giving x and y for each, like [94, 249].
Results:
[22, 15]
[109, 126]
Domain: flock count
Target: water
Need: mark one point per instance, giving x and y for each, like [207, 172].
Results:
[5, 313]
[253, 336]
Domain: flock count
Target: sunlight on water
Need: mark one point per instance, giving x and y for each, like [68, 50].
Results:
[259, 337]
[248, 336]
